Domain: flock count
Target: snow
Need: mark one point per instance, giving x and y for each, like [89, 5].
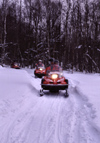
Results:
[1, 67]
[25, 117]
[98, 50]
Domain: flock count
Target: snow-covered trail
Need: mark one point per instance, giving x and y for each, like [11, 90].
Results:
[82, 127]
[48, 119]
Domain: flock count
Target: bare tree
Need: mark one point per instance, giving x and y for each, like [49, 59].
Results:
[67, 27]
[4, 15]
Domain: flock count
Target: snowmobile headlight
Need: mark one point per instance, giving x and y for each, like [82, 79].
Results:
[41, 69]
[54, 76]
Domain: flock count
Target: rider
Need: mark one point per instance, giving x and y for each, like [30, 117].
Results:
[13, 63]
[51, 63]
[39, 64]
[54, 66]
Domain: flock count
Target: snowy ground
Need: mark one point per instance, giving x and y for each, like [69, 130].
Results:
[25, 117]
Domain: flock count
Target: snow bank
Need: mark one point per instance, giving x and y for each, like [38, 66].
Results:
[1, 67]
[88, 85]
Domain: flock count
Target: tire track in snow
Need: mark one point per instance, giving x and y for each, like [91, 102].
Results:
[23, 126]
[51, 122]
[23, 106]
[66, 121]
[42, 117]
[47, 124]
[84, 130]
[19, 129]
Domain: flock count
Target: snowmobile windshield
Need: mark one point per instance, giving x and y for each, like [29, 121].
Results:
[40, 68]
[55, 75]
[16, 64]
[55, 68]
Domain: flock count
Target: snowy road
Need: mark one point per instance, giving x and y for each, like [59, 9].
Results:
[25, 117]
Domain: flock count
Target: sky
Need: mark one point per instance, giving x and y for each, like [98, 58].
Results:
[25, 117]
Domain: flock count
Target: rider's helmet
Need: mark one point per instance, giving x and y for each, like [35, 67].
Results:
[40, 61]
[51, 61]
[56, 62]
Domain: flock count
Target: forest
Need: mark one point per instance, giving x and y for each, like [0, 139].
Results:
[39, 29]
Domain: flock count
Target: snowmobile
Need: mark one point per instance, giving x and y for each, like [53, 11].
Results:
[54, 82]
[39, 71]
[15, 66]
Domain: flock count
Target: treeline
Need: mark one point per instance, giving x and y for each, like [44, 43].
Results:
[39, 29]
